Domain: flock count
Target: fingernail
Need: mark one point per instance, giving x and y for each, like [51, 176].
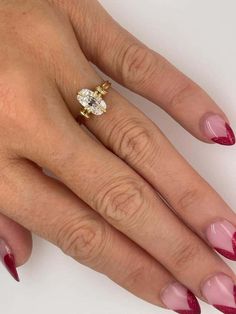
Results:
[222, 236]
[220, 291]
[8, 259]
[177, 298]
[218, 130]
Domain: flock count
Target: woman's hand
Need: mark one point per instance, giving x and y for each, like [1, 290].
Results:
[128, 205]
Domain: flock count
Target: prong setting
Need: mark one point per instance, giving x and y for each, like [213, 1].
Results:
[91, 101]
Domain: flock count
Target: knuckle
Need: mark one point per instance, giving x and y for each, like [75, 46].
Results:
[16, 100]
[139, 274]
[34, 22]
[138, 64]
[7, 163]
[122, 201]
[184, 255]
[82, 239]
[36, 18]
[6, 93]
[135, 278]
[180, 95]
[15, 85]
[187, 199]
[135, 141]
[11, 114]
[24, 109]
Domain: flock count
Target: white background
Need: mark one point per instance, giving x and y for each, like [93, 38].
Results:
[199, 38]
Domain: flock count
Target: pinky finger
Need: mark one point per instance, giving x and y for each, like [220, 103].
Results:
[81, 233]
[15, 245]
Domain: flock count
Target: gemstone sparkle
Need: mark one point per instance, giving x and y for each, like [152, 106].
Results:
[91, 102]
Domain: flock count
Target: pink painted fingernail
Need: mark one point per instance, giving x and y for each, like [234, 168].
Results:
[222, 236]
[8, 259]
[220, 291]
[218, 130]
[177, 298]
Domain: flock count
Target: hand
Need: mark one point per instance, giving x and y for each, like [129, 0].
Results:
[112, 208]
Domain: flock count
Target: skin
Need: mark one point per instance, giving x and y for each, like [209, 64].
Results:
[104, 210]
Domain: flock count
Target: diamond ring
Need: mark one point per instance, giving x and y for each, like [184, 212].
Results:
[92, 101]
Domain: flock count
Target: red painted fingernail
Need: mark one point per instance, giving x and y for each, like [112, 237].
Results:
[8, 259]
[177, 298]
[222, 236]
[218, 130]
[220, 291]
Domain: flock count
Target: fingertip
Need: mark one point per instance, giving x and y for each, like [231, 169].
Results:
[24, 250]
[17, 238]
[217, 130]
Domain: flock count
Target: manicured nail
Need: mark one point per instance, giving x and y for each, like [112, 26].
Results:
[177, 298]
[8, 259]
[218, 130]
[222, 236]
[220, 291]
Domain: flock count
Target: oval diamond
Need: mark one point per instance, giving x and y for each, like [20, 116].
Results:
[91, 102]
